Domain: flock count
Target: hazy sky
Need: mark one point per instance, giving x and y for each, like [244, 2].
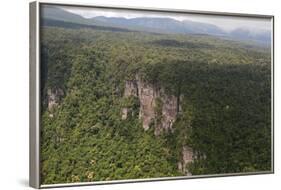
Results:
[227, 23]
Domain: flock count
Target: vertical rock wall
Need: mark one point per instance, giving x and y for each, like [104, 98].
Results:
[147, 94]
[186, 158]
[169, 112]
[131, 89]
[54, 97]
[158, 108]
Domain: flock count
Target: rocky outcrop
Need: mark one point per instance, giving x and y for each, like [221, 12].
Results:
[54, 97]
[186, 158]
[156, 106]
[147, 96]
[169, 112]
[125, 112]
[131, 89]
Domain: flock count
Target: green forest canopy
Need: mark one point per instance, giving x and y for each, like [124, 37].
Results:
[226, 106]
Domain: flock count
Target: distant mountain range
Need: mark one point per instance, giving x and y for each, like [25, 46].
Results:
[152, 24]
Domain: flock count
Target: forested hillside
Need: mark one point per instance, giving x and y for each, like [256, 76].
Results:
[209, 99]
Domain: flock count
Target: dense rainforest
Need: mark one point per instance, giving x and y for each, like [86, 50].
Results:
[222, 89]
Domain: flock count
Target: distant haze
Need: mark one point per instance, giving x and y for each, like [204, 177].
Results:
[227, 23]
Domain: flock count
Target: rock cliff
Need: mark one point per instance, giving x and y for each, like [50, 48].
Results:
[186, 158]
[54, 97]
[156, 106]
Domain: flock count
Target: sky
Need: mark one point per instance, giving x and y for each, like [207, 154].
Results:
[227, 23]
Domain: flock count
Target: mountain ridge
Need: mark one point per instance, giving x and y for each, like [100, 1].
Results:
[162, 25]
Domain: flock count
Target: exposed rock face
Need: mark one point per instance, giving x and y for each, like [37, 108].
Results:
[148, 96]
[54, 97]
[131, 88]
[187, 157]
[169, 112]
[159, 108]
[124, 113]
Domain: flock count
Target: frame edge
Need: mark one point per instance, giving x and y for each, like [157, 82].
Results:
[34, 170]
[34, 98]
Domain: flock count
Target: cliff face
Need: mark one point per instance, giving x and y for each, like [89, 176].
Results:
[169, 112]
[147, 95]
[131, 89]
[54, 97]
[156, 107]
[186, 158]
